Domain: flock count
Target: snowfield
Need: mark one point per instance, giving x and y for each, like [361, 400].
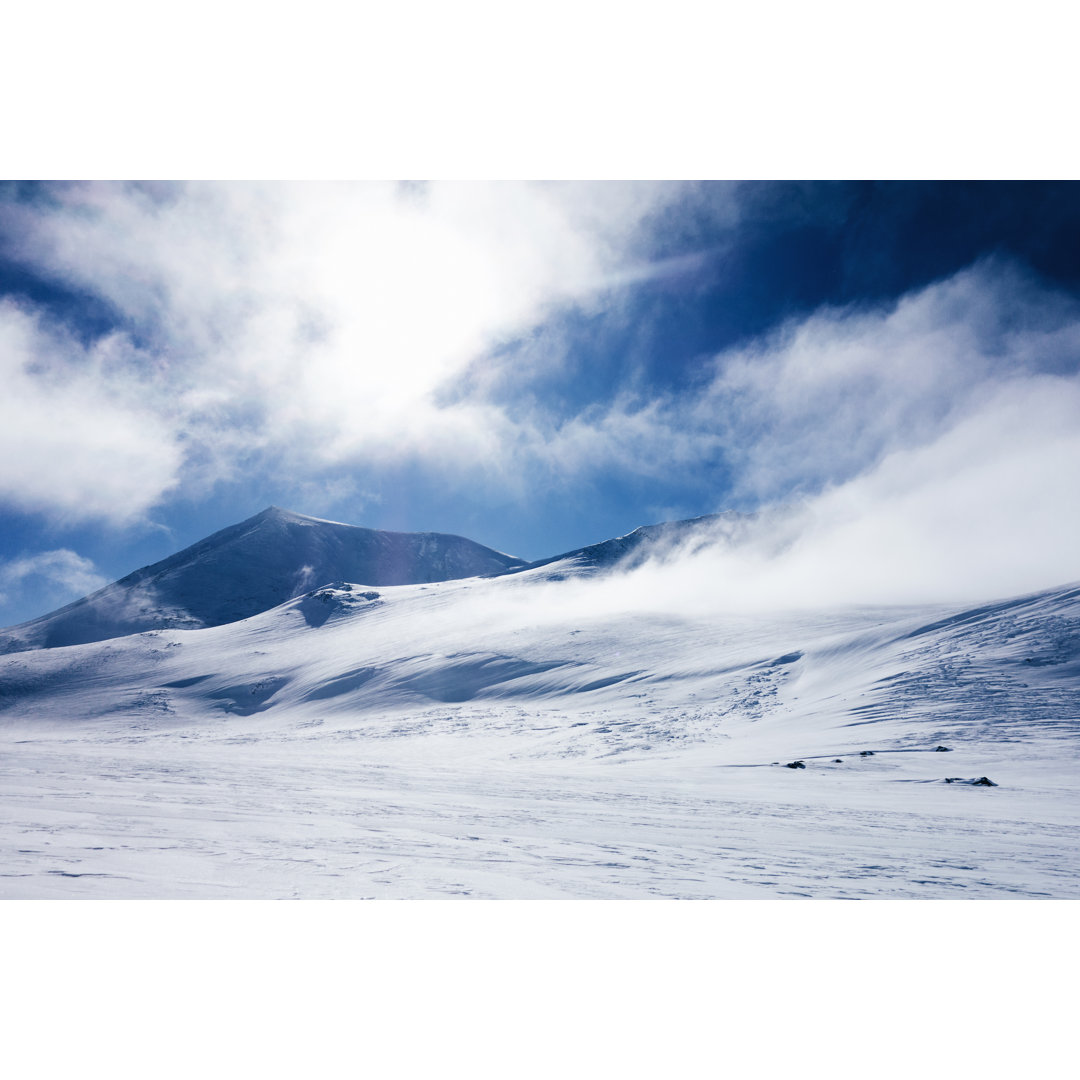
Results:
[514, 737]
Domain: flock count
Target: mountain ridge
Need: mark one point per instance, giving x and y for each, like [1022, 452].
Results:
[278, 554]
[249, 567]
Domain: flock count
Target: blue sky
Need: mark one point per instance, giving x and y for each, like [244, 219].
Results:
[538, 366]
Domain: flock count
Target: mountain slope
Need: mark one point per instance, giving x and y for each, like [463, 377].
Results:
[511, 737]
[252, 566]
[1006, 671]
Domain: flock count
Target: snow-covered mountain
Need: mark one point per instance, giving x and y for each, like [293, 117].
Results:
[277, 555]
[252, 566]
[551, 732]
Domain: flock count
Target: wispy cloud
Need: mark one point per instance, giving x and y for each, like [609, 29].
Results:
[828, 397]
[55, 576]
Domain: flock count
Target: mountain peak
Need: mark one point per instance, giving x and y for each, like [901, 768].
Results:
[257, 564]
[279, 513]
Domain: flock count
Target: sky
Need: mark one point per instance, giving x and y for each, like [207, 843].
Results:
[890, 369]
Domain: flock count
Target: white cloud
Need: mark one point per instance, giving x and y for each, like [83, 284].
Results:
[315, 321]
[55, 576]
[822, 400]
[826, 398]
[75, 439]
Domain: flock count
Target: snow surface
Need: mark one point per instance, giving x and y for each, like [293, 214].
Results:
[498, 738]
